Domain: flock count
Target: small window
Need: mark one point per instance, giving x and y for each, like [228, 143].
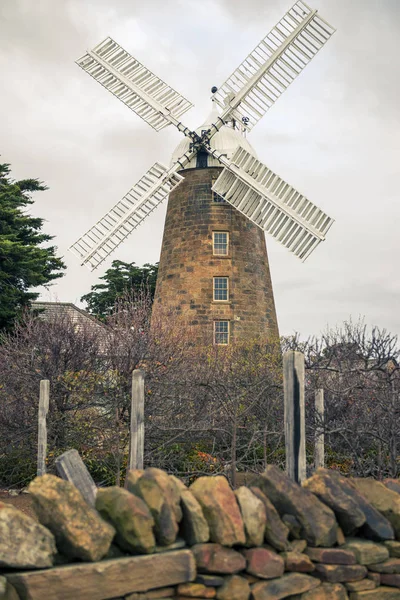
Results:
[220, 243]
[221, 289]
[216, 197]
[221, 333]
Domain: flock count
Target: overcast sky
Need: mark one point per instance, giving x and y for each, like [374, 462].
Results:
[334, 135]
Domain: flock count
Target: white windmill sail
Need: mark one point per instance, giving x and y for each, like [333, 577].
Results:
[108, 233]
[272, 204]
[272, 66]
[137, 87]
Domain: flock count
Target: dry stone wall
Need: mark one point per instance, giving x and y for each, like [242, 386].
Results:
[331, 539]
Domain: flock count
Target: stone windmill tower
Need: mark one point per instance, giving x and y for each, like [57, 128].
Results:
[214, 272]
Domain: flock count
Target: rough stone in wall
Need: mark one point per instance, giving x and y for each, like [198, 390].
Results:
[131, 518]
[297, 562]
[283, 587]
[160, 505]
[329, 490]
[220, 510]
[79, 530]
[393, 547]
[264, 563]
[214, 558]
[384, 500]
[24, 543]
[253, 515]
[366, 552]
[340, 573]
[318, 523]
[257, 556]
[392, 484]
[376, 526]
[194, 527]
[276, 532]
[332, 556]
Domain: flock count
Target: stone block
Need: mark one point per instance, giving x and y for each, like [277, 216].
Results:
[24, 543]
[299, 563]
[253, 515]
[331, 556]
[210, 580]
[106, 579]
[287, 585]
[366, 552]
[79, 530]
[382, 499]
[220, 510]
[159, 502]
[391, 579]
[360, 586]
[234, 588]
[391, 565]
[131, 518]
[326, 591]
[263, 563]
[318, 522]
[276, 532]
[393, 547]
[392, 484]
[340, 573]
[194, 526]
[298, 546]
[326, 485]
[195, 590]
[381, 593]
[214, 558]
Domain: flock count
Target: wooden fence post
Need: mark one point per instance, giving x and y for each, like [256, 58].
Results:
[319, 452]
[295, 435]
[137, 421]
[71, 467]
[44, 396]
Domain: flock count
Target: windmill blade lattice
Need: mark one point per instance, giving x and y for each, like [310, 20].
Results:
[108, 233]
[272, 204]
[272, 66]
[143, 92]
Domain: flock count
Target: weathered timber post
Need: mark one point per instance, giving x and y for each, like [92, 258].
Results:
[136, 447]
[44, 396]
[295, 431]
[319, 453]
[71, 467]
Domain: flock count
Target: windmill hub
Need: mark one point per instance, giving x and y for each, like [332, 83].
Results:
[225, 141]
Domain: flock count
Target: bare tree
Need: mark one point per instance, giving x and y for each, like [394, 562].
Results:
[359, 371]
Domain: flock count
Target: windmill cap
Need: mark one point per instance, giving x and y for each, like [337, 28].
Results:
[226, 140]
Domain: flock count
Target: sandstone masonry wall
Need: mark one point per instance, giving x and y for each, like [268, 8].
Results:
[187, 265]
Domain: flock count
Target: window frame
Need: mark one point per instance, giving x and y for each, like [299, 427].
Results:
[227, 333]
[227, 243]
[215, 289]
[216, 197]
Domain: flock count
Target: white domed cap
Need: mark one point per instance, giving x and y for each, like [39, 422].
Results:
[226, 140]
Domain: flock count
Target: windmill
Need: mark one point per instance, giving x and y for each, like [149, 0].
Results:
[214, 265]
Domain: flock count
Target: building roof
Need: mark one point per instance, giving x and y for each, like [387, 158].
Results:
[66, 309]
[226, 140]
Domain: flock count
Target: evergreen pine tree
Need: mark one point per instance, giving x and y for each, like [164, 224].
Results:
[25, 261]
